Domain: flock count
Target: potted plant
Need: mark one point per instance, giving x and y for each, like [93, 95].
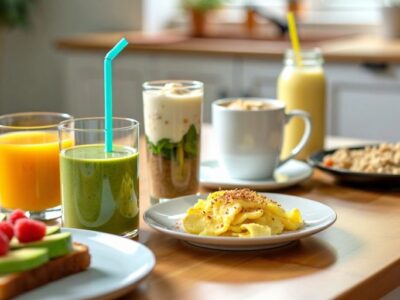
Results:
[14, 12]
[198, 10]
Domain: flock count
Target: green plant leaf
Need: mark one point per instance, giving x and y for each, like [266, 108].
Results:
[190, 141]
[14, 12]
[168, 149]
[202, 5]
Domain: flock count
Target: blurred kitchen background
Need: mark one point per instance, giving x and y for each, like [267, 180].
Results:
[51, 54]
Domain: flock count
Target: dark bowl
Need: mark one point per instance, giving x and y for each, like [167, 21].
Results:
[375, 179]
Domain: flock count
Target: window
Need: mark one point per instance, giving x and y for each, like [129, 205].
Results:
[324, 11]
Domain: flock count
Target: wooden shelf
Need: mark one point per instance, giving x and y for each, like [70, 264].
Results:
[357, 49]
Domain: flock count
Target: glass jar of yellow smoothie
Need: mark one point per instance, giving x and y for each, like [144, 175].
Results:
[303, 87]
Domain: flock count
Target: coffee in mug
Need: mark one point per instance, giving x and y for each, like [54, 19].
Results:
[249, 135]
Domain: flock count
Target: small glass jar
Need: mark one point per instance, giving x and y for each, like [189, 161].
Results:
[172, 120]
[303, 87]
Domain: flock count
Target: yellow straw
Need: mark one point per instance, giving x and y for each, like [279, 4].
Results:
[295, 39]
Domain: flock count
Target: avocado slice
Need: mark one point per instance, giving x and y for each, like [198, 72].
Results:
[2, 217]
[57, 244]
[52, 229]
[23, 260]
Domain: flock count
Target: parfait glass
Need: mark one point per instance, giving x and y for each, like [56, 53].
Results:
[172, 120]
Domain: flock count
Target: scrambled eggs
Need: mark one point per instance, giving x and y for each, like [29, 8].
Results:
[239, 213]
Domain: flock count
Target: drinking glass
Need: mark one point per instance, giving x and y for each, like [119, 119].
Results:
[172, 119]
[29, 163]
[100, 190]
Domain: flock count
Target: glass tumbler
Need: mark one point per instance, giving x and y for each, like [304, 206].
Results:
[29, 163]
[100, 190]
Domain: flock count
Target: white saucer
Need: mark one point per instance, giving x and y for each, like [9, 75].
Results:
[291, 173]
[117, 266]
[166, 217]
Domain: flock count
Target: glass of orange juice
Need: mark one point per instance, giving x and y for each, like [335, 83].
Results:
[29, 163]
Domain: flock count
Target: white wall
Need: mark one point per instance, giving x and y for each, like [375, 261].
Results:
[31, 67]
[158, 14]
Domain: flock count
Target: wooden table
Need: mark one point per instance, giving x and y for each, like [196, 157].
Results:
[357, 258]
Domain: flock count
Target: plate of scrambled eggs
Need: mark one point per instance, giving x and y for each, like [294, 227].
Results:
[240, 219]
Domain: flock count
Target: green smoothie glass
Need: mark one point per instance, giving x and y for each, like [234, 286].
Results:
[100, 190]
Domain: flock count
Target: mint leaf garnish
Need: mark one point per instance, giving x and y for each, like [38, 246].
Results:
[190, 143]
[168, 149]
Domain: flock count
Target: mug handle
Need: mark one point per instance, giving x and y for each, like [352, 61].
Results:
[306, 135]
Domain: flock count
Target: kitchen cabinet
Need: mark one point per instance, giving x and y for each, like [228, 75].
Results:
[84, 84]
[362, 101]
[218, 74]
[259, 77]
[84, 81]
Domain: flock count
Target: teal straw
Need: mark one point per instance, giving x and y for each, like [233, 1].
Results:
[108, 102]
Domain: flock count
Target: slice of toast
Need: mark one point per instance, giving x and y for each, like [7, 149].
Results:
[14, 284]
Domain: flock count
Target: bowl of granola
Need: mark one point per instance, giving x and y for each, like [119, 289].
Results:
[375, 164]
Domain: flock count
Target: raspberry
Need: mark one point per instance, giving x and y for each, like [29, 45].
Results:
[27, 230]
[16, 215]
[7, 228]
[4, 244]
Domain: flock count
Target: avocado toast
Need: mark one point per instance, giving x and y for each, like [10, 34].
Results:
[50, 256]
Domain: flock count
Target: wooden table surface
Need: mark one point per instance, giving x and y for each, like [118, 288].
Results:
[357, 258]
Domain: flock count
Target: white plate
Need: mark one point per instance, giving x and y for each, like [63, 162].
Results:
[166, 217]
[291, 173]
[118, 265]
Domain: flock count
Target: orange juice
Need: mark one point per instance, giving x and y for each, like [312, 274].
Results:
[303, 88]
[29, 170]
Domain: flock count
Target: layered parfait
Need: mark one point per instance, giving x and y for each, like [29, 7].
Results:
[172, 118]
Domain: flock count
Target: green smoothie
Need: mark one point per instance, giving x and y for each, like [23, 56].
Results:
[100, 191]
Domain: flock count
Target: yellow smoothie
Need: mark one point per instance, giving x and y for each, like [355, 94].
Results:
[303, 88]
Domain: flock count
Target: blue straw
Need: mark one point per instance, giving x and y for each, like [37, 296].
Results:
[108, 101]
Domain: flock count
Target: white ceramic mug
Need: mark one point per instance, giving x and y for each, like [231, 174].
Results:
[249, 142]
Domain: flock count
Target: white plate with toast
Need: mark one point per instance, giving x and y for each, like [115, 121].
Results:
[167, 218]
[117, 266]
